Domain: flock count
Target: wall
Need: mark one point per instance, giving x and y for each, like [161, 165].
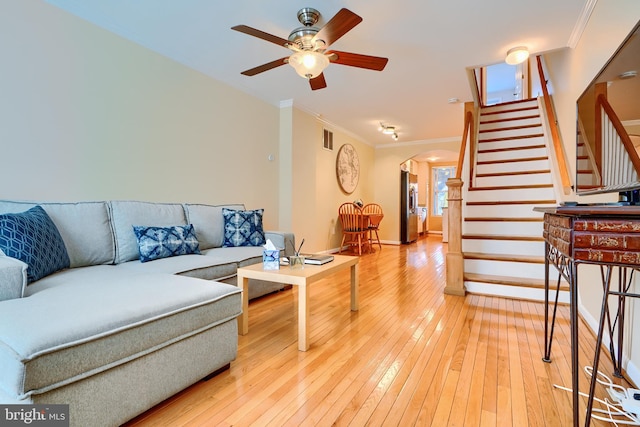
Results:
[386, 178]
[316, 192]
[570, 72]
[87, 115]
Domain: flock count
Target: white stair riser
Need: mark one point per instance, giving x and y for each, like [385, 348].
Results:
[512, 166]
[585, 164]
[503, 228]
[513, 291]
[501, 210]
[515, 194]
[509, 123]
[527, 153]
[522, 107]
[587, 180]
[510, 143]
[504, 268]
[524, 132]
[529, 179]
[501, 247]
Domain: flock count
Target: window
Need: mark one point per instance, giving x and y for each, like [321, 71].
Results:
[440, 191]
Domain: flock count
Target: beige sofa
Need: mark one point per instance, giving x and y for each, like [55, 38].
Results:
[110, 335]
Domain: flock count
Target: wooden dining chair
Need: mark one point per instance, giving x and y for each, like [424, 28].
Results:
[354, 233]
[374, 213]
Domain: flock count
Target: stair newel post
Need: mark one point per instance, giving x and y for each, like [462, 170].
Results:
[454, 258]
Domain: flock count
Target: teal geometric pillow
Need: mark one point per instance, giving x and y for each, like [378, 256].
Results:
[243, 228]
[164, 242]
[33, 238]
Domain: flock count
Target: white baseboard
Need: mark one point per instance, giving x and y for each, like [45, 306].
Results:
[632, 371]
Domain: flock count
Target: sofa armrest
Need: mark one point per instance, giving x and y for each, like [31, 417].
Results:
[13, 278]
[282, 240]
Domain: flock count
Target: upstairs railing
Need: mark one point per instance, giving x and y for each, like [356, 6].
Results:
[561, 159]
[618, 153]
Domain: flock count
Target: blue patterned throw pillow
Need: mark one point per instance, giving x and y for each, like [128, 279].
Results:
[243, 228]
[33, 238]
[164, 242]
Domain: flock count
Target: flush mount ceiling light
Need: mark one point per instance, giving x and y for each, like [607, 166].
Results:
[517, 55]
[388, 130]
[627, 75]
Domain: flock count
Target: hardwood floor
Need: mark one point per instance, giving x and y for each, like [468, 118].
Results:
[410, 356]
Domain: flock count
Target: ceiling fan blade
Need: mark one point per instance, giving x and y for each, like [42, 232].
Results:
[261, 35]
[265, 67]
[318, 82]
[357, 60]
[341, 23]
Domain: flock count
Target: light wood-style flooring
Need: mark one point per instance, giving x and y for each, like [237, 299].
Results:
[410, 356]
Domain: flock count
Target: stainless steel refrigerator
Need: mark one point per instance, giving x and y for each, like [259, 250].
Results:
[408, 207]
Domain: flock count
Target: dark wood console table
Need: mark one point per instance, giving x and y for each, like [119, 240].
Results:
[603, 235]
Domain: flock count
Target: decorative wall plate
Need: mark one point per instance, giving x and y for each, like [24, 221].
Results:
[348, 168]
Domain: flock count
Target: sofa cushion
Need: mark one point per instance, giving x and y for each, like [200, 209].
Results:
[208, 223]
[125, 214]
[34, 239]
[124, 315]
[243, 228]
[84, 227]
[199, 266]
[164, 242]
[13, 278]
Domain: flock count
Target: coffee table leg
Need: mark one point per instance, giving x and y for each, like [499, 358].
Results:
[243, 319]
[354, 288]
[303, 317]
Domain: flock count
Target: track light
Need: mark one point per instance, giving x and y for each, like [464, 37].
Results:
[388, 130]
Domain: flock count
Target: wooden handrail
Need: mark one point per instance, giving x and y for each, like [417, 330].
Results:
[555, 135]
[602, 102]
[468, 117]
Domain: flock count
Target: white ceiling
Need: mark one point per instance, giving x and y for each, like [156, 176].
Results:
[429, 43]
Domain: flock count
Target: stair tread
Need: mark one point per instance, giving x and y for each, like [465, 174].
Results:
[510, 149]
[511, 138]
[523, 159]
[504, 257]
[512, 281]
[505, 219]
[509, 119]
[512, 202]
[507, 128]
[511, 187]
[527, 172]
[503, 237]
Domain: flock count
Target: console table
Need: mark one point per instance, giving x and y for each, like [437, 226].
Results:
[603, 235]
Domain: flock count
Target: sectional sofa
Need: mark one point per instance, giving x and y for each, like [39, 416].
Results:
[112, 307]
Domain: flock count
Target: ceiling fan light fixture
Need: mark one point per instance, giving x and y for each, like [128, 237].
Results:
[308, 64]
[517, 55]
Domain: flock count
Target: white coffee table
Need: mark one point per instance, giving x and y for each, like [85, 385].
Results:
[302, 278]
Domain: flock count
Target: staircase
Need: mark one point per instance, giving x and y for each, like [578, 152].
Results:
[502, 242]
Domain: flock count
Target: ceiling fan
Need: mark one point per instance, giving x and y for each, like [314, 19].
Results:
[309, 45]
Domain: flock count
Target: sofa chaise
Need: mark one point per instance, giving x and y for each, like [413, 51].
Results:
[124, 321]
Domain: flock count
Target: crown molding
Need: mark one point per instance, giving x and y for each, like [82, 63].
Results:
[581, 24]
